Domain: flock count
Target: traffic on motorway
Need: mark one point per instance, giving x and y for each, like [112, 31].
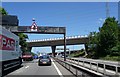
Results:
[87, 44]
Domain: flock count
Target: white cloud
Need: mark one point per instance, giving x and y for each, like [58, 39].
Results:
[101, 20]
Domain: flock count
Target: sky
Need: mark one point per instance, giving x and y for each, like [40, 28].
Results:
[59, 0]
[79, 18]
[119, 11]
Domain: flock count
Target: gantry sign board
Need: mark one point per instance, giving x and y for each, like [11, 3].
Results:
[40, 29]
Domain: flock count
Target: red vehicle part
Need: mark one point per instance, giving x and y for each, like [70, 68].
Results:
[27, 57]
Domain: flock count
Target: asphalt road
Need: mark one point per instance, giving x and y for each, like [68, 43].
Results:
[32, 69]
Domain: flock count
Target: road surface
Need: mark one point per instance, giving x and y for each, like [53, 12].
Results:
[32, 69]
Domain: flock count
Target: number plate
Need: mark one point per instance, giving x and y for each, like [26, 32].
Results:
[44, 62]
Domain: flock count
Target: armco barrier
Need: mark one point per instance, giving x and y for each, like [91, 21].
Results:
[74, 69]
[105, 68]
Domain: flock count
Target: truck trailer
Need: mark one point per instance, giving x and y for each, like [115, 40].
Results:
[10, 52]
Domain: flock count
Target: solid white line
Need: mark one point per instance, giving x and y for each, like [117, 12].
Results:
[57, 68]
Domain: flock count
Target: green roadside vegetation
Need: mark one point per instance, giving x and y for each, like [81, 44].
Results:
[104, 44]
[3, 11]
[23, 42]
[79, 53]
[112, 58]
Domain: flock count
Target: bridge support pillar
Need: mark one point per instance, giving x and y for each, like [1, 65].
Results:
[53, 50]
[29, 49]
[86, 49]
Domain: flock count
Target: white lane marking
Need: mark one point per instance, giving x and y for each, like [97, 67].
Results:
[57, 69]
[27, 67]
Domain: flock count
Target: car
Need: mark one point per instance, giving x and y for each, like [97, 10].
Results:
[35, 56]
[27, 56]
[44, 60]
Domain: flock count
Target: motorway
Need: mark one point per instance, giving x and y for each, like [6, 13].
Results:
[32, 69]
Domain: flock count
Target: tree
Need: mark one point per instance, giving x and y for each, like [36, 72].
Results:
[23, 42]
[93, 38]
[3, 11]
[107, 40]
[115, 51]
[119, 32]
[108, 36]
[93, 44]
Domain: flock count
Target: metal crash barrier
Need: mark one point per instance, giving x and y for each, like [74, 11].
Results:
[106, 68]
[93, 67]
[73, 69]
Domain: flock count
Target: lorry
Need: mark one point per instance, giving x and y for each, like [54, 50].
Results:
[10, 52]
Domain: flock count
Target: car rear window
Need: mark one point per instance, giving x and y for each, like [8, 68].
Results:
[44, 57]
